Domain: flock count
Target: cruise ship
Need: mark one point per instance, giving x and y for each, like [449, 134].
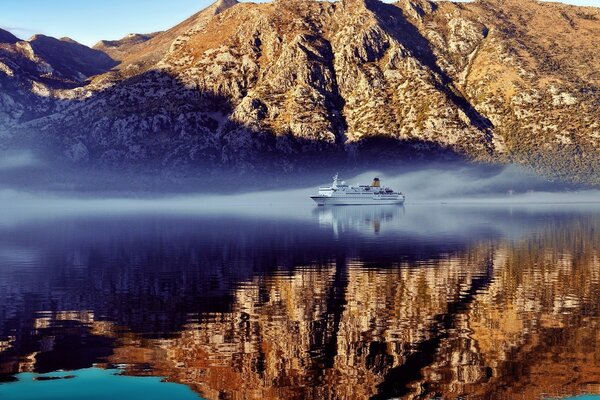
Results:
[340, 194]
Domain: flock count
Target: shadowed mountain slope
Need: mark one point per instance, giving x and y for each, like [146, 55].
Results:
[7, 37]
[69, 59]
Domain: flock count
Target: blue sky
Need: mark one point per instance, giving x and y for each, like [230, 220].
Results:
[89, 21]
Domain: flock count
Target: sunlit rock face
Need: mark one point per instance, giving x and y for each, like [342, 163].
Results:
[489, 80]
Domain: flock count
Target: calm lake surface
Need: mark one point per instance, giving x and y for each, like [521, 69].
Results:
[422, 301]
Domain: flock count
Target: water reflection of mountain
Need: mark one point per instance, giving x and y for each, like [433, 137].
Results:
[290, 310]
[149, 274]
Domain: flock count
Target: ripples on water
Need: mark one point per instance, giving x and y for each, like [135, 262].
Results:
[347, 302]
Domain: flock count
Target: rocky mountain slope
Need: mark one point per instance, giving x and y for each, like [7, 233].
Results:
[69, 60]
[145, 54]
[58, 63]
[240, 84]
[32, 71]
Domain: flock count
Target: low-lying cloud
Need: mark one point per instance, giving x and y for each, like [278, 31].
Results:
[477, 184]
[16, 160]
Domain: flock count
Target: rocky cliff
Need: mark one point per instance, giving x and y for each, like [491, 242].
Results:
[241, 84]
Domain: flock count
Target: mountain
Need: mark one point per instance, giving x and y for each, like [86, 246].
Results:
[36, 76]
[147, 53]
[68, 59]
[56, 62]
[7, 37]
[290, 81]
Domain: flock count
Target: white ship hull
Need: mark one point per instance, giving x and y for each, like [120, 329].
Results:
[340, 194]
[359, 201]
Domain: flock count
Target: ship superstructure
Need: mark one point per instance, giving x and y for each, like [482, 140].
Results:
[339, 193]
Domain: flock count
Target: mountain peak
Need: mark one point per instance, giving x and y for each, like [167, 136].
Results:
[226, 3]
[38, 37]
[222, 5]
[68, 40]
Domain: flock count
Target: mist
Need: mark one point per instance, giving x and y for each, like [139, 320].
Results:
[31, 188]
[435, 184]
[511, 184]
[14, 160]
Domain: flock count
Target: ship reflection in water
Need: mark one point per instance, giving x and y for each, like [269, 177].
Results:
[343, 303]
[366, 219]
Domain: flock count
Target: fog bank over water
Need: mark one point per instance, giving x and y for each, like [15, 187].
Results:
[30, 171]
[424, 216]
[435, 184]
[11, 160]
[470, 184]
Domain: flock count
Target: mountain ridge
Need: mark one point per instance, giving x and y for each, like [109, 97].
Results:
[147, 53]
[8, 37]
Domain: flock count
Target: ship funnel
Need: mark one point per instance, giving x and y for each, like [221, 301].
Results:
[376, 183]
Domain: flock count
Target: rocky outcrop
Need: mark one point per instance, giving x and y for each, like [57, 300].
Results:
[239, 83]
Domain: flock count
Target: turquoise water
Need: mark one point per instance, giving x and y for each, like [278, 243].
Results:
[93, 384]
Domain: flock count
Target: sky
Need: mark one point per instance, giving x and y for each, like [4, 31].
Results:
[89, 21]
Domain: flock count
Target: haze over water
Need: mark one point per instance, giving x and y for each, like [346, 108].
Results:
[276, 301]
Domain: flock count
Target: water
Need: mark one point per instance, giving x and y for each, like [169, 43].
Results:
[484, 302]
[93, 384]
